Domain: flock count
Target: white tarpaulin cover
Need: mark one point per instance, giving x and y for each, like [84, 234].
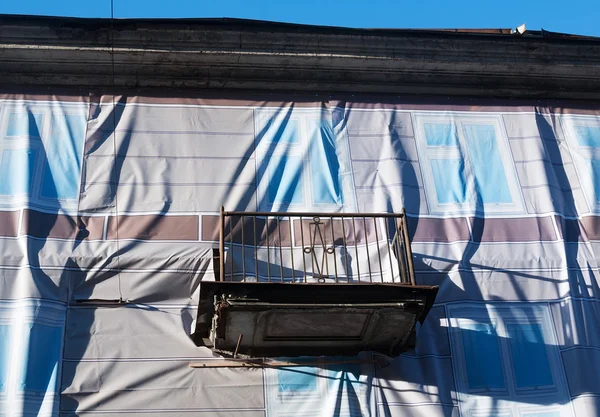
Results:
[104, 199]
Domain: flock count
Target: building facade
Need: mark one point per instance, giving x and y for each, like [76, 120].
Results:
[119, 142]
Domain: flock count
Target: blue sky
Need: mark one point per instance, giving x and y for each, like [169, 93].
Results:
[573, 16]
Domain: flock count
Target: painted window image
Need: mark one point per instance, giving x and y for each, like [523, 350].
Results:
[330, 389]
[506, 361]
[466, 164]
[299, 162]
[41, 154]
[583, 137]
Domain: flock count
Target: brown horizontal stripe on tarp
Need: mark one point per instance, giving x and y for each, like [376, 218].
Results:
[588, 228]
[60, 226]
[420, 230]
[24, 93]
[304, 233]
[591, 227]
[568, 229]
[9, 223]
[357, 229]
[153, 227]
[438, 230]
[254, 230]
[528, 229]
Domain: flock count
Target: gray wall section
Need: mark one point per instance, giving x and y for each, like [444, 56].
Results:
[121, 358]
[540, 124]
[166, 272]
[169, 158]
[544, 165]
[173, 172]
[577, 322]
[409, 380]
[369, 122]
[161, 385]
[384, 146]
[392, 199]
[27, 282]
[385, 173]
[423, 410]
[94, 334]
[170, 413]
[385, 161]
[162, 198]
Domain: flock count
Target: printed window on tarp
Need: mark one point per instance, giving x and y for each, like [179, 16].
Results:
[583, 136]
[330, 389]
[41, 147]
[302, 163]
[506, 361]
[466, 164]
[31, 340]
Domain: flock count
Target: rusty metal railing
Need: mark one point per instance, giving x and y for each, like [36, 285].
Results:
[314, 247]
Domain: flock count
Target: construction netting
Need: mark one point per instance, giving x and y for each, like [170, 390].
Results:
[108, 198]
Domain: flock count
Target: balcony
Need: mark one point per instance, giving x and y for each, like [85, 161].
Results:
[310, 284]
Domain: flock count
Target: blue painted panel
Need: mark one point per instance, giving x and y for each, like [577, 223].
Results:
[588, 136]
[449, 179]
[484, 155]
[595, 163]
[25, 124]
[5, 343]
[285, 132]
[63, 166]
[482, 356]
[285, 180]
[440, 134]
[297, 379]
[43, 355]
[17, 168]
[529, 355]
[324, 165]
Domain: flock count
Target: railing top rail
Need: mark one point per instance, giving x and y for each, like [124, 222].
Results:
[309, 214]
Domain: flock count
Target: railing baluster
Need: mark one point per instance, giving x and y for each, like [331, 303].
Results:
[292, 249]
[356, 249]
[231, 244]
[408, 249]
[333, 246]
[389, 249]
[378, 249]
[221, 244]
[280, 251]
[399, 253]
[345, 251]
[367, 246]
[303, 254]
[268, 249]
[255, 247]
[312, 237]
[243, 251]
[325, 253]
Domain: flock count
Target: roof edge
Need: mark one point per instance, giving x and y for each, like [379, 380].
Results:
[255, 55]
